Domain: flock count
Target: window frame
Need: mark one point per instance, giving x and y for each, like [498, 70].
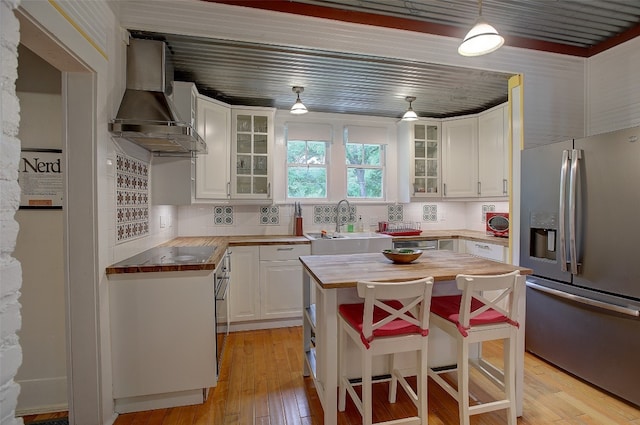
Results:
[382, 167]
[326, 166]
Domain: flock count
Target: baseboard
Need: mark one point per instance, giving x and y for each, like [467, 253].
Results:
[159, 401]
[53, 408]
[264, 324]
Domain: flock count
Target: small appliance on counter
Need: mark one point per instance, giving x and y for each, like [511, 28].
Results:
[497, 224]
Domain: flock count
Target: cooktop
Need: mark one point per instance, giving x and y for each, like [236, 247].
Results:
[161, 256]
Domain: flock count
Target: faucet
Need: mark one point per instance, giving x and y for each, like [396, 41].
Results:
[338, 213]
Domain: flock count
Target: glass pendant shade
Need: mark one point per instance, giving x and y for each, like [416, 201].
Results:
[298, 108]
[410, 115]
[480, 40]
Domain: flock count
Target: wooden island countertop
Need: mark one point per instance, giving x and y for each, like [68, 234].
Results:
[344, 271]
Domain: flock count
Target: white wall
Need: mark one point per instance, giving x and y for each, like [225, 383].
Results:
[39, 248]
[613, 89]
[554, 92]
[553, 83]
[10, 269]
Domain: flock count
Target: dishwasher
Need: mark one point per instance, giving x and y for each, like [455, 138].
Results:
[423, 245]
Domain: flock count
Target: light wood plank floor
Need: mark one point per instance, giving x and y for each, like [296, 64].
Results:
[261, 382]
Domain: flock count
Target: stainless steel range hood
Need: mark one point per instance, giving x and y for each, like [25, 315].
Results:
[147, 117]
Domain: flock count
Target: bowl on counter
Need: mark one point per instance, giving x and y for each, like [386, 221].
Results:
[402, 255]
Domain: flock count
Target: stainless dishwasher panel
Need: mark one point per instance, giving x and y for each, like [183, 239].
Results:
[423, 245]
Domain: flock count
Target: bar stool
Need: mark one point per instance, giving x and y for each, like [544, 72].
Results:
[394, 318]
[486, 310]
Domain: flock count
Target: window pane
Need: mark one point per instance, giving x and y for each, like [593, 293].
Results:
[244, 122]
[372, 154]
[317, 152]
[243, 164]
[364, 183]
[296, 152]
[260, 143]
[418, 130]
[260, 124]
[244, 143]
[307, 182]
[354, 153]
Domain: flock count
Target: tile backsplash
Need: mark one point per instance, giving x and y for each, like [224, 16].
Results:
[225, 220]
[132, 198]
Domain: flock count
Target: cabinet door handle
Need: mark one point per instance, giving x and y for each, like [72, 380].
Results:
[228, 189]
[505, 186]
[479, 188]
[269, 190]
[285, 249]
[444, 189]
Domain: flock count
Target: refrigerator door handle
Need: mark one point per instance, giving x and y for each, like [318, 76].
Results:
[573, 179]
[562, 211]
[584, 300]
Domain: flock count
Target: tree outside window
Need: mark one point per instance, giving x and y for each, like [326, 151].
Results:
[306, 169]
[365, 170]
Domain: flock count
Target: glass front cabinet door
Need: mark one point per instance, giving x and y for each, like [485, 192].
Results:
[425, 164]
[253, 137]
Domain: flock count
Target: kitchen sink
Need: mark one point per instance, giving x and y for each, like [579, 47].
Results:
[314, 236]
[348, 243]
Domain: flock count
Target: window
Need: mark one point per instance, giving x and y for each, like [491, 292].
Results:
[365, 170]
[306, 169]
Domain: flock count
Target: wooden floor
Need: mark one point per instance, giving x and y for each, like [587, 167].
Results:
[261, 383]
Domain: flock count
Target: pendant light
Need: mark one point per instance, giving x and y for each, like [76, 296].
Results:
[481, 39]
[410, 115]
[298, 108]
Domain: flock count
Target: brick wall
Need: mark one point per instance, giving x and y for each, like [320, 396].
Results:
[10, 271]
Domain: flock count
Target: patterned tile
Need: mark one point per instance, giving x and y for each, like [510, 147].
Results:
[430, 213]
[395, 213]
[326, 214]
[270, 215]
[223, 216]
[132, 198]
[485, 210]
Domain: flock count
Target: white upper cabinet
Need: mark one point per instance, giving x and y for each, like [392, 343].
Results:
[475, 155]
[251, 152]
[425, 159]
[460, 158]
[213, 178]
[493, 152]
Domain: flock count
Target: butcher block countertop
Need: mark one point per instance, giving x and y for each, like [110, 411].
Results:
[344, 271]
[219, 242]
[473, 235]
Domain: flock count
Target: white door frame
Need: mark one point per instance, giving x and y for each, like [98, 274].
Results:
[79, 88]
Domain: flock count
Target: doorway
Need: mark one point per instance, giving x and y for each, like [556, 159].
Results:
[79, 220]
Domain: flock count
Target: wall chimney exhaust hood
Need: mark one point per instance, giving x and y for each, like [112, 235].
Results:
[147, 117]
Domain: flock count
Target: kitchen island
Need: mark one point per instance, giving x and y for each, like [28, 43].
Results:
[330, 280]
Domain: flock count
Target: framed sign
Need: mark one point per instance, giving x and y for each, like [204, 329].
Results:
[41, 179]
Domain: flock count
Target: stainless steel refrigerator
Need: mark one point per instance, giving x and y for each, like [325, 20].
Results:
[580, 215]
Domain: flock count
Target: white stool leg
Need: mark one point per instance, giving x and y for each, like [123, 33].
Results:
[510, 377]
[423, 411]
[463, 381]
[367, 402]
[393, 385]
[342, 367]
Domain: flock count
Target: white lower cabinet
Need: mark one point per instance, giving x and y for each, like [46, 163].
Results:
[163, 341]
[245, 283]
[486, 250]
[280, 280]
[266, 282]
